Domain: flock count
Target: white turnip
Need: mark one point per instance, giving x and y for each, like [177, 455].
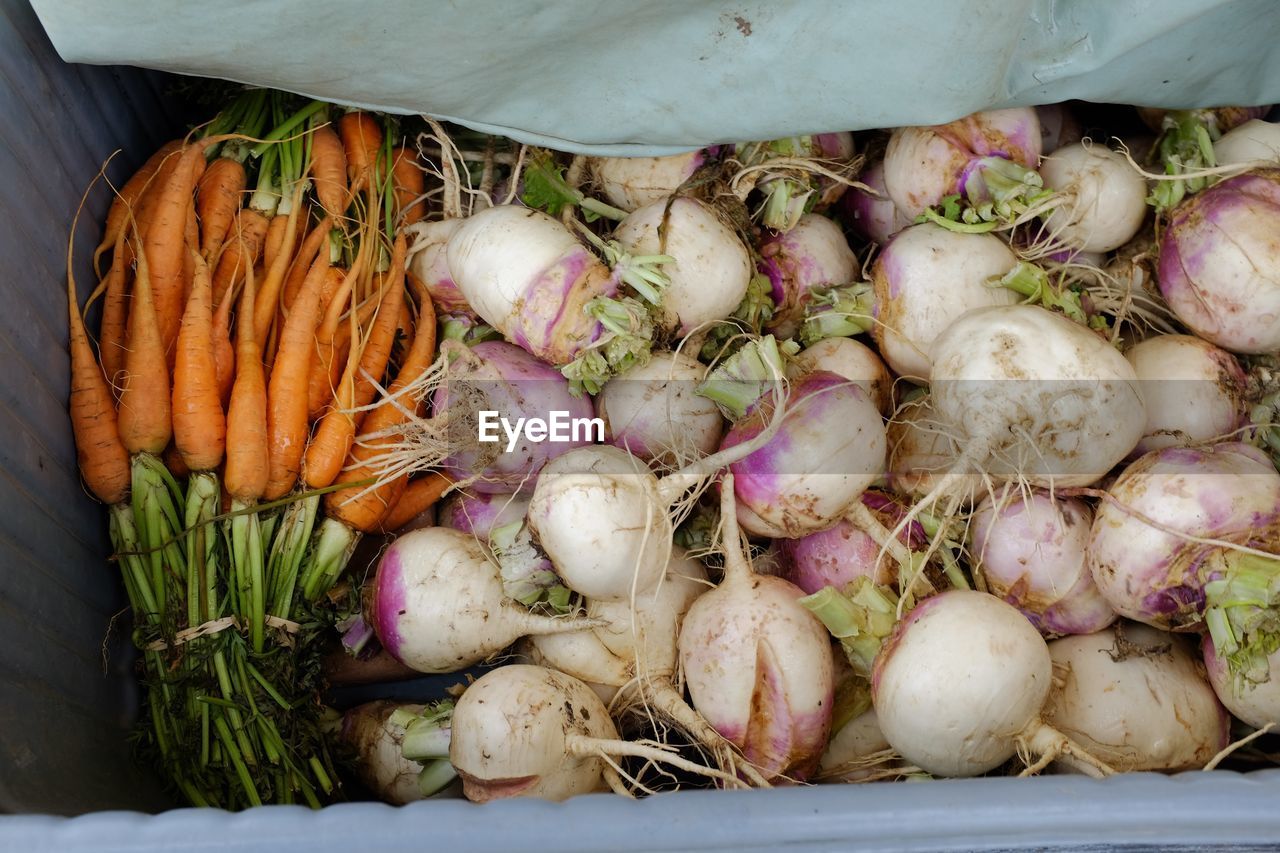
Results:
[1257, 704]
[1256, 141]
[814, 254]
[1194, 391]
[851, 359]
[630, 183]
[375, 734]
[1100, 200]
[873, 217]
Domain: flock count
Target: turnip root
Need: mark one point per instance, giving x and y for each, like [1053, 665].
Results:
[480, 513]
[630, 183]
[1101, 199]
[1177, 542]
[1030, 550]
[528, 276]
[925, 278]
[1257, 704]
[960, 685]
[796, 175]
[501, 377]
[711, 269]
[1219, 263]
[376, 737]
[923, 451]
[757, 664]
[813, 254]
[1194, 391]
[652, 411]
[1137, 699]
[829, 448]
[1033, 396]
[851, 359]
[437, 603]
[987, 156]
[1256, 141]
[528, 731]
[429, 262]
[874, 217]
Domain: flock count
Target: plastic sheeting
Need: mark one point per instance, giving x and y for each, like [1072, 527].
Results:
[657, 76]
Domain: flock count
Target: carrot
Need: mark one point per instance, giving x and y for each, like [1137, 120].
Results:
[329, 170]
[277, 264]
[115, 314]
[409, 184]
[273, 244]
[240, 252]
[173, 460]
[361, 139]
[104, 461]
[419, 495]
[199, 425]
[302, 260]
[128, 197]
[191, 238]
[224, 354]
[286, 391]
[365, 512]
[337, 431]
[218, 198]
[145, 424]
[246, 471]
[163, 240]
[332, 349]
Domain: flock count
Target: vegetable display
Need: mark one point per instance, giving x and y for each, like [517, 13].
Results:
[844, 458]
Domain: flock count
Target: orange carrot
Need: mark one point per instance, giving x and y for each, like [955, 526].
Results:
[332, 349]
[199, 425]
[191, 238]
[128, 197]
[409, 184]
[361, 139]
[302, 259]
[286, 390]
[419, 495]
[364, 513]
[145, 423]
[272, 246]
[277, 264]
[241, 251]
[163, 241]
[320, 381]
[337, 431]
[217, 200]
[329, 170]
[115, 314]
[224, 353]
[246, 471]
[104, 461]
[173, 460]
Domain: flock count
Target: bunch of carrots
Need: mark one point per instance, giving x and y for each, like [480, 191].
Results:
[254, 300]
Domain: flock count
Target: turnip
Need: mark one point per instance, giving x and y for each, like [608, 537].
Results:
[528, 276]
[923, 451]
[857, 752]
[633, 182]
[1030, 550]
[984, 157]
[1194, 391]
[796, 175]
[1257, 704]
[376, 732]
[1219, 260]
[757, 664]
[499, 377]
[652, 411]
[925, 278]
[1182, 541]
[1137, 699]
[960, 686]
[1032, 396]
[437, 603]
[429, 262]
[853, 360]
[1185, 147]
[606, 521]
[1217, 119]
[1256, 141]
[873, 216]
[479, 513]
[1099, 202]
[829, 447]
[529, 731]
[813, 254]
[834, 557]
[711, 268]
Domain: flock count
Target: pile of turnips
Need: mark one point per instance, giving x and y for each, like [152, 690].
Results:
[936, 452]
